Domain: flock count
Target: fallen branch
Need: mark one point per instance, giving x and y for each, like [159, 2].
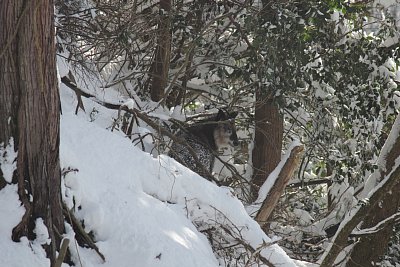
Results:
[82, 237]
[79, 92]
[63, 252]
[282, 180]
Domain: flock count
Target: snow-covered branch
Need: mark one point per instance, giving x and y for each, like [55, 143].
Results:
[381, 225]
[276, 182]
[356, 216]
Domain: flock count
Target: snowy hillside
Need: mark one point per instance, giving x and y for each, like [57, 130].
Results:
[142, 211]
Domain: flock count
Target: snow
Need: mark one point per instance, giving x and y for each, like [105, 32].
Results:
[143, 211]
[42, 235]
[375, 229]
[130, 103]
[128, 223]
[8, 163]
[14, 254]
[120, 184]
[304, 217]
[373, 179]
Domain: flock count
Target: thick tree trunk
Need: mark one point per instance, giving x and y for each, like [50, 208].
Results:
[160, 67]
[30, 109]
[267, 149]
[268, 138]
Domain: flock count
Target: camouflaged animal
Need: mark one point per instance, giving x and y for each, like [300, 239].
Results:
[205, 138]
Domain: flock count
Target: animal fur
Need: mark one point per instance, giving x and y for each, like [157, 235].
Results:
[205, 138]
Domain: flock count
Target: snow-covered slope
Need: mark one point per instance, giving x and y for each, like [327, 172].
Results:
[131, 227]
[141, 210]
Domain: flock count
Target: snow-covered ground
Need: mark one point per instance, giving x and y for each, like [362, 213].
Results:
[142, 210]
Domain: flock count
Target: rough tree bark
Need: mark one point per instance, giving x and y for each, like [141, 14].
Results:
[370, 247]
[378, 208]
[267, 149]
[160, 67]
[30, 109]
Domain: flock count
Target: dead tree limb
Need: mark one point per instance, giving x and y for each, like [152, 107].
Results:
[280, 184]
[310, 182]
[63, 252]
[82, 237]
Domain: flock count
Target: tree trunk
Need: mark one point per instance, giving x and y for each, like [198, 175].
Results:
[378, 208]
[30, 109]
[8, 77]
[267, 149]
[268, 138]
[160, 67]
[370, 247]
